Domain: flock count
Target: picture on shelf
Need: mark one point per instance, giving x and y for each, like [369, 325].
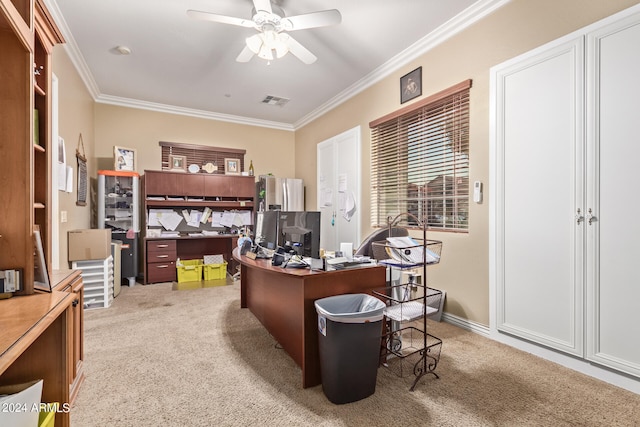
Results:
[124, 159]
[232, 166]
[40, 274]
[177, 163]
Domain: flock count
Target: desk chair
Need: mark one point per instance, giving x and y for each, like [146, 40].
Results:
[381, 234]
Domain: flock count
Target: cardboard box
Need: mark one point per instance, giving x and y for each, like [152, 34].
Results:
[89, 244]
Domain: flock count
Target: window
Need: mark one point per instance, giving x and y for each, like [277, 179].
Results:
[420, 162]
[201, 155]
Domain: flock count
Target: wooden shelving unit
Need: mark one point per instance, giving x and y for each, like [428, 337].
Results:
[27, 37]
[178, 191]
[42, 332]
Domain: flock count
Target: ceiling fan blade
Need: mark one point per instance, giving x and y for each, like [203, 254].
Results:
[301, 52]
[262, 5]
[312, 20]
[245, 55]
[213, 17]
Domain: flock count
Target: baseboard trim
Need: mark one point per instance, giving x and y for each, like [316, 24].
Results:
[607, 375]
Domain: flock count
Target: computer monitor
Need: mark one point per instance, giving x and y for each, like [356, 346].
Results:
[266, 234]
[300, 231]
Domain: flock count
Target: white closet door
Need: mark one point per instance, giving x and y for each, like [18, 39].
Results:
[339, 190]
[326, 196]
[540, 168]
[613, 243]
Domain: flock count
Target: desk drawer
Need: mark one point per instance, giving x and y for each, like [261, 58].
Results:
[167, 246]
[161, 256]
[161, 272]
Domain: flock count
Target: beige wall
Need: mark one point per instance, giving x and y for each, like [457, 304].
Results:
[271, 150]
[516, 28]
[103, 126]
[464, 271]
[75, 117]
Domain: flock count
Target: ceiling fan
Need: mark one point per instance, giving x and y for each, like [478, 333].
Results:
[272, 26]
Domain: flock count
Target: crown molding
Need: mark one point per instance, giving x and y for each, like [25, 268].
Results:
[464, 19]
[71, 47]
[458, 23]
[200, 114]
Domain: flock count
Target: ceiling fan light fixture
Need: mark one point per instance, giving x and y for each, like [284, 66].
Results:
[265, 53]
[254, 43]
[272, 26]
[263, 44]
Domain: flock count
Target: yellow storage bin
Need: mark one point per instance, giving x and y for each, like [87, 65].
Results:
[215, 271]
[48, 418]
[189, 270]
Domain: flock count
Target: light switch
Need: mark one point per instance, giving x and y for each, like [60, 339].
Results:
[63, 216]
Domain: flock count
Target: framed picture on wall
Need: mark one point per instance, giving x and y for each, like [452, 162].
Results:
[124, 159]
[177, 163]
[232, 166]
[411, 85]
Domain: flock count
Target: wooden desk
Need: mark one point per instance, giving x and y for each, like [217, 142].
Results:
[283, 301]
[70, 281]
[160, 254]
[35, 344]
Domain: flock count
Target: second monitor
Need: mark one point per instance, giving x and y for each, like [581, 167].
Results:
[297, 231]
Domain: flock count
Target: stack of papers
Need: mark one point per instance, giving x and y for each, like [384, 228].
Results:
[406, 250]
[170, 234]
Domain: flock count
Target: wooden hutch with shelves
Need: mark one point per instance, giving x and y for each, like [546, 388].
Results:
[179, 190]
[42, 331]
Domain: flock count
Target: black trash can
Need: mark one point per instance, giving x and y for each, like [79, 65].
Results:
[349, 334]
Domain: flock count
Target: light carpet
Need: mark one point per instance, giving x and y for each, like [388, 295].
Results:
[159, 356]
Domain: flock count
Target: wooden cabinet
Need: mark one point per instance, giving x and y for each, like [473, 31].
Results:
[192, 185]
[36, 344]
[224, 191]
[161, 184]
[161, 261]
[41, 332]
[229, 186]
[222, 187]
[70, 281]
[185, 191]
[25, 40]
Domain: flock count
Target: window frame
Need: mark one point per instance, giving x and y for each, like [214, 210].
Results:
[435, 132]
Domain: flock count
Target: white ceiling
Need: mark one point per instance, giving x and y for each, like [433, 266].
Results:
[188, 66]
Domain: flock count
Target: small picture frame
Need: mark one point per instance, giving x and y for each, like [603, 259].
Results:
[124, 159]
[411, 85]
[232, 167]
[177, 163]
[41, 273]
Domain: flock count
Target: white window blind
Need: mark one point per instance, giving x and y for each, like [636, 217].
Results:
[420, 162]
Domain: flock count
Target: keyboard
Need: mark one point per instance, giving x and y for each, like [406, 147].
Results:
[345, 262]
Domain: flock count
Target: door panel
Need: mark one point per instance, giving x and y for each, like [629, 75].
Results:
[613, 249]
[339, 192]
[540, 188]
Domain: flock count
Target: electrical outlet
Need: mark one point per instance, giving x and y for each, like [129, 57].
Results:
[63, 216]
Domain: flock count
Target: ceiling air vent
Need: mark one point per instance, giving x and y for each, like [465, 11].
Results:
[275, 100]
